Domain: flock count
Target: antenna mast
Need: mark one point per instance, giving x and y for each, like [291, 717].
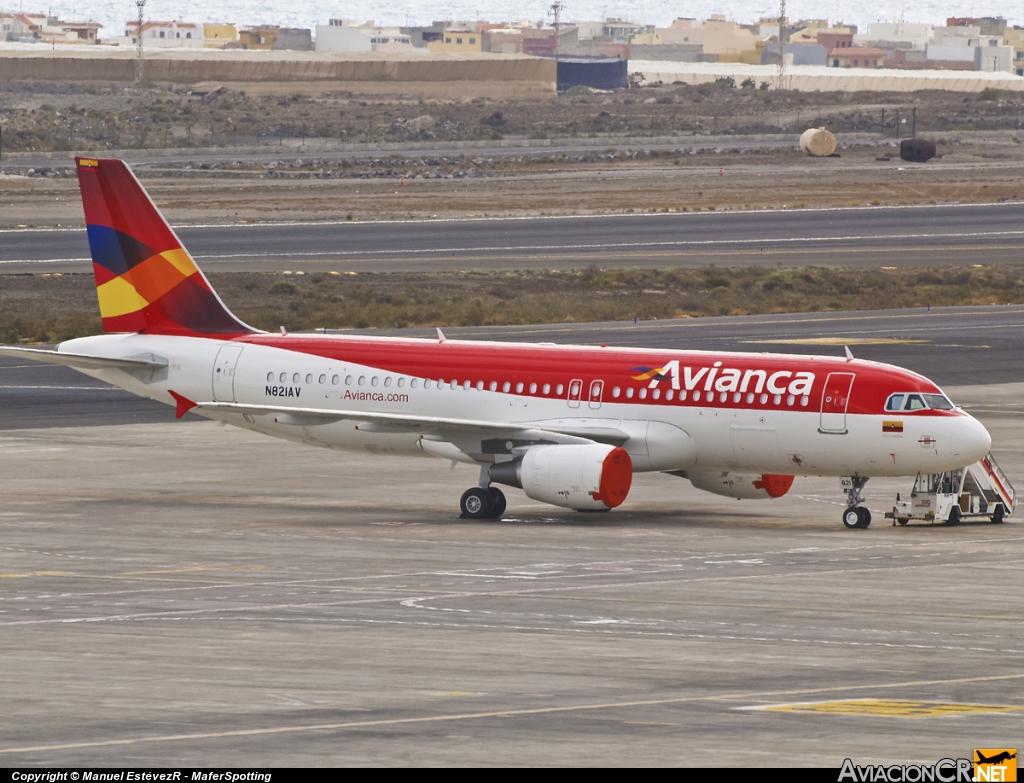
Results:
[781, 45]
[556, 11]
[140, 4]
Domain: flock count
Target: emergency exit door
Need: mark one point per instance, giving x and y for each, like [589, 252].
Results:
[834, 400]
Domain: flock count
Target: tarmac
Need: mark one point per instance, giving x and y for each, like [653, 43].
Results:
[183, 594]
[868, 237]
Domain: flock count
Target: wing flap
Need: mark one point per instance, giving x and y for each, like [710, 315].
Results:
[399, 422]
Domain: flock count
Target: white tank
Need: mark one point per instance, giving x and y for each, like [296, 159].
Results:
[817, 142]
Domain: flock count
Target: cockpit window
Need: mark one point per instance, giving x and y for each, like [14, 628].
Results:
[918, 402]
[895, 402]
[914, 403]
[938, 402]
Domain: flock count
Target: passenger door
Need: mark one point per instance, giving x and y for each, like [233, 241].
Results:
[834, 400]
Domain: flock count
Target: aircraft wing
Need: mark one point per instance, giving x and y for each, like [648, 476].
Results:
[398, 422]
[84, 361]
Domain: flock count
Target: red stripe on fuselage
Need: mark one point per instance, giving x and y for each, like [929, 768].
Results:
[554, 364]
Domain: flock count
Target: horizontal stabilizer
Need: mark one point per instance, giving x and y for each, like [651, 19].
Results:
[83, 361]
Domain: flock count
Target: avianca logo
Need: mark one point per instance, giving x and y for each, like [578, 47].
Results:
[715, 378]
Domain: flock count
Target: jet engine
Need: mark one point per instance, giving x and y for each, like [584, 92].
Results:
[743, 486]
[593, 477]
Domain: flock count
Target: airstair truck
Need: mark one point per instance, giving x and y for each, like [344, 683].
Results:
[979, 491]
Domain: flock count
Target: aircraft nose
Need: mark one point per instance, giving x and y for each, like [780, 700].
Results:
[971, 440]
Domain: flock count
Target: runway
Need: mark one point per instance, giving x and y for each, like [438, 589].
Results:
[954, 346]
[178, 593]
[868, 237]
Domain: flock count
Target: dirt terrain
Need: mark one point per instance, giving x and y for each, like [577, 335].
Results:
[749, 164]
[49, 308]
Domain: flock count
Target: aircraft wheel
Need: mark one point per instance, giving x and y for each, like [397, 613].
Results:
[497, 502]
[476, 503]
[998, 514]
[865, 516]
[851, 518]
[955, 516]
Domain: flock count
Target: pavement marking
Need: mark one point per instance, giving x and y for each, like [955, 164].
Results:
[498, 714]
[888, 709]
[840, 341]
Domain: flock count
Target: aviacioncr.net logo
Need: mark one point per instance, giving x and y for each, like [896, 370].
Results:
[942, 771]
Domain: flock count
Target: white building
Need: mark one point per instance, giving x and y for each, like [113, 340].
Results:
[917, 35]
[343, 35]
[165, 35]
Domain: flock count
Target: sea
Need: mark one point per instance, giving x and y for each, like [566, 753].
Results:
[113, 14]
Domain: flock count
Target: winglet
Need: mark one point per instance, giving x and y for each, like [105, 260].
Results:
[440, 335]
[849, 354]
[184, 404]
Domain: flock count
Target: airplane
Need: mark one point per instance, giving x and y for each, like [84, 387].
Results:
[568, 424]
[996, 759]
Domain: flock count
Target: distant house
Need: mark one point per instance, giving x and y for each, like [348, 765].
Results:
[458, 40]
[856, 57]
[40, 28]
[164, 35]
[216, 36]
[262, 37]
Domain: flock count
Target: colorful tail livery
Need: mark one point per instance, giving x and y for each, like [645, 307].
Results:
[145, 280]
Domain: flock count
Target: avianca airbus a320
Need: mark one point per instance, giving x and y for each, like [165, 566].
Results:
[569, 425]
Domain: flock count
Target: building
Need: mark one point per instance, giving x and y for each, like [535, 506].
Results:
[40, 28]
[263, 37]
[856, 57]
[294, 39]
[458, 39]
[164, 35]
[835, 40]
[215, 36]
[1014, 38]
[917, 36]
[340, 35]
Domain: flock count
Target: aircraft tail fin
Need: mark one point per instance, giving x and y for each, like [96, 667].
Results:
[146, 281]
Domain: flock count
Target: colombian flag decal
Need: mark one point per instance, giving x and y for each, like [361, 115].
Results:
[892, 426]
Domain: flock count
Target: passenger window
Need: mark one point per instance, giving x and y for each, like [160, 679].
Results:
[412, 383]
[629, 393]
[558, 390]
[547, 388]
[519, 387]
[401, 382]
[616, 392]
[506, 386]
[914, 403]
[643, 394]
[493, 386]
[533, 388]
[295, 378]
[322, 379]
[270, 377]
[656, 393]
[373, 380]
[348, 380]
[669, 394]
[479, 385]
[466, 385]
[309, 377]
[334, 380]
[895, 402]
[387, 382]
[362, 380]
[283, 377]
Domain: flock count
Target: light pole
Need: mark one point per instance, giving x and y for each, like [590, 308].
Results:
[140, 4]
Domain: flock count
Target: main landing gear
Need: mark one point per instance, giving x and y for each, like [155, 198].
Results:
[855, 516]
[482, 503]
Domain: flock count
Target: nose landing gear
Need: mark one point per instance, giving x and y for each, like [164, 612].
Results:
[855, 516]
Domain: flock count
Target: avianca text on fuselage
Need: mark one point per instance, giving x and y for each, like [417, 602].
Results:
[725, 379]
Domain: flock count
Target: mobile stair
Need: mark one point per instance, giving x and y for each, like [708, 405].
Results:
[978, 491]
